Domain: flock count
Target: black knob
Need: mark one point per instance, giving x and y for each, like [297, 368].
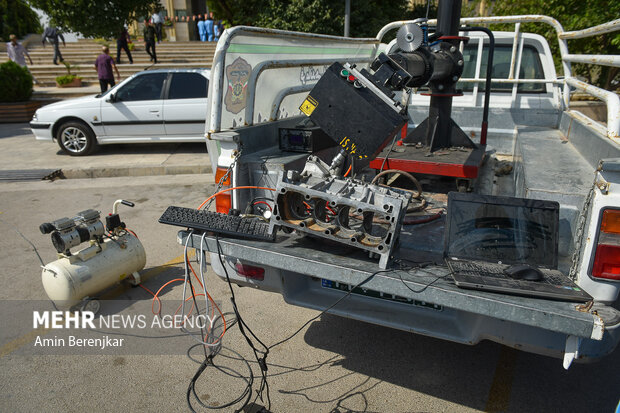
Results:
[46, 228]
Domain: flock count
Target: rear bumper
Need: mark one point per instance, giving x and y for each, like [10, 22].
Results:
[423, 317]
[414, 302]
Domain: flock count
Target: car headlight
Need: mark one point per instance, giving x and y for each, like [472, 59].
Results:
[35, 116]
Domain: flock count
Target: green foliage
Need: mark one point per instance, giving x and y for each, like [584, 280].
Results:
[314, 16]
[95, 18]
[17, 18]
[572, 15]
[15, 82]
[69, 66]
[102, 41]
[65, 79]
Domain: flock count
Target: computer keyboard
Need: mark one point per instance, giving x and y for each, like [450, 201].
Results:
[232, 225]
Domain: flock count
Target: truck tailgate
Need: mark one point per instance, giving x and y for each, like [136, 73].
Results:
[431, 284]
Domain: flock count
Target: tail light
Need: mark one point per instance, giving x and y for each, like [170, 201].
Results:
[250, 271]
[607, 256]
[223, 202]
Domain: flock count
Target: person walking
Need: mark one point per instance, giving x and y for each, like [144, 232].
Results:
[17, 53]
[209, 27]
[202, 31]
[104, 65]
[122, 43]
[158, 23]
[54, 34]
[149, 40]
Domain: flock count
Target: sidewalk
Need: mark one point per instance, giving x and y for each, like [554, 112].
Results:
[20, 151]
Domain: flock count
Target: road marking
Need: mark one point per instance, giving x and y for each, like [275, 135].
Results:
[501, 386]
[13, 345]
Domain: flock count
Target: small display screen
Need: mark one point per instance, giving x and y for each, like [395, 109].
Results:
[295, 139]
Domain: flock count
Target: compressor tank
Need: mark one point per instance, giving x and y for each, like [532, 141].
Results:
[69, 279]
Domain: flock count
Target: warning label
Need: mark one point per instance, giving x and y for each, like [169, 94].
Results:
[309, 105]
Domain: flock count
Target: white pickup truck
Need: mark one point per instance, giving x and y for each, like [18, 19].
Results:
[537, 148]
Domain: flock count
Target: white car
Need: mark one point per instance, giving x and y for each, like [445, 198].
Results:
[163, 105]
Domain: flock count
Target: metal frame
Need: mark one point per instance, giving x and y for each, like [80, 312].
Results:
[611, 99]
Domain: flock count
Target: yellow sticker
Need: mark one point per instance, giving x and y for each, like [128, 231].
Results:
[309, 105]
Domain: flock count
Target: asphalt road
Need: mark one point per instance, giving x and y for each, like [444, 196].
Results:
[333, 365]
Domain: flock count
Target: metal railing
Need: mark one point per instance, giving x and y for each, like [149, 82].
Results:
[611, 99]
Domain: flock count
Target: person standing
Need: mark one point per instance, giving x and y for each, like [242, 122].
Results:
[202, 31]
[54, 34]
[104, 65]
[122, 43]
[149, 40]
[158, 22]
[18, 53]
[218, 28]
[209, 27]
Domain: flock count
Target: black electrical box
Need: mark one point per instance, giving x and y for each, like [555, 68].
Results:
[304, 139]
[352, 114]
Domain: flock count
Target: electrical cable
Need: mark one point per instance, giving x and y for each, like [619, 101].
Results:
[262, 361]
[330, 307]
[348, 171]
[262, 202]
[389, 152]
[27, 240]
[247, 392]
[232, 189]
[400, 275]
[407, 175]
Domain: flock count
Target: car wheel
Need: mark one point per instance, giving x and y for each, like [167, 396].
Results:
[76, 139]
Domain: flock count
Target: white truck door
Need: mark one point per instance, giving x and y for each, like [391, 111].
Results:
[136, 109]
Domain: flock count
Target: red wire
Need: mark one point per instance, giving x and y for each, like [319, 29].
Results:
[348, 170]
[263, 202]
[132, 233]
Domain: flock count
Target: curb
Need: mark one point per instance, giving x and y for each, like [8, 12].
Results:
[147, 170]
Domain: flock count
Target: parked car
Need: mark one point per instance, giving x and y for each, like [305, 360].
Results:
[163, 105]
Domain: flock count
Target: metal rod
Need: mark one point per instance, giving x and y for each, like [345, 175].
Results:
[347, 17]
[487, 88]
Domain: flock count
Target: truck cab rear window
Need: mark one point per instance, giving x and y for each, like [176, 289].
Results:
[530, 68]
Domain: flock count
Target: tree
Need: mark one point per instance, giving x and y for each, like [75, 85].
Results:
[314, 16]
[95, 18]
[17, 18]
[573, 15]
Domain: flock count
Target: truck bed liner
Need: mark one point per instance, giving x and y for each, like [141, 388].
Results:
[312, 258]
[551, 167]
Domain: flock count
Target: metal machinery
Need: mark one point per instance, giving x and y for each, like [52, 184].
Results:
[343, 210]
[113, 254]
[359, 111]
[435, 60]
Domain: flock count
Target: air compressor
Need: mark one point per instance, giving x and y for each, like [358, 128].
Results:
[113, 254]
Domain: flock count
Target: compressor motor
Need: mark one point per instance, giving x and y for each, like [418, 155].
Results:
[113, 255]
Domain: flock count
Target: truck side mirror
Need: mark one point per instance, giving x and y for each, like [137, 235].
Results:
[111, 98]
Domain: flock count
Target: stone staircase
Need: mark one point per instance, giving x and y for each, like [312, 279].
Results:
[82, 55]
